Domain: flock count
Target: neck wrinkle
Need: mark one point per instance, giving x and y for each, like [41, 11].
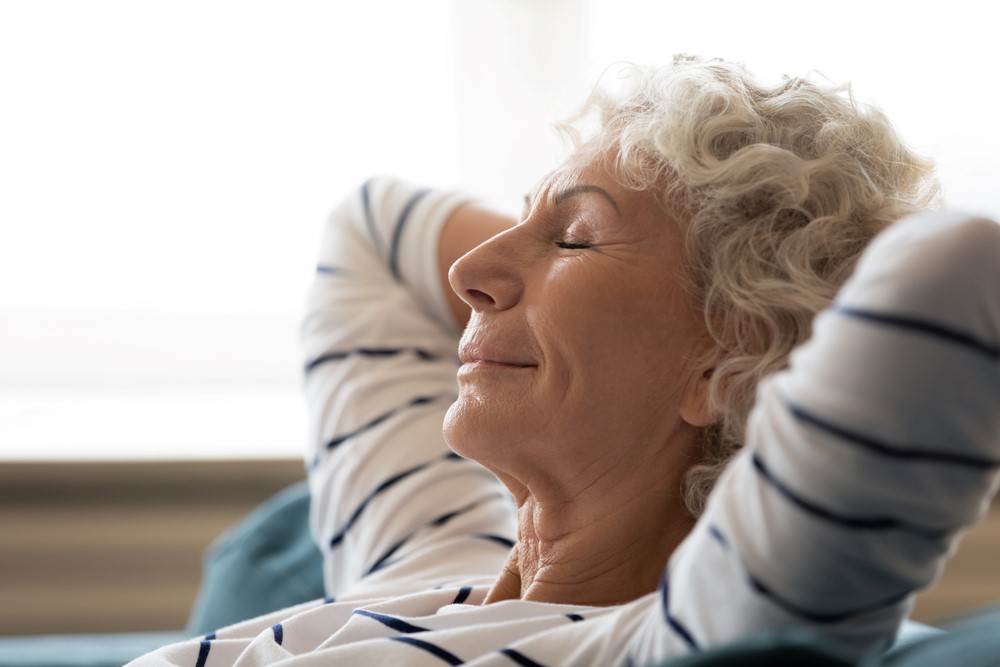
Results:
[605, 547]
[614, 558]
[602, 538]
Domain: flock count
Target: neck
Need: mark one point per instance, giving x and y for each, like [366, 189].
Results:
[604, 546]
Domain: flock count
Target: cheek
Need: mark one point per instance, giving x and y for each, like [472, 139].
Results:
[623, 342]
[608, 319]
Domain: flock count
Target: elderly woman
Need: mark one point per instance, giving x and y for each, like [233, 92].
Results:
[612, 342]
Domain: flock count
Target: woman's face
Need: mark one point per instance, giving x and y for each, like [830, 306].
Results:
[581, 345]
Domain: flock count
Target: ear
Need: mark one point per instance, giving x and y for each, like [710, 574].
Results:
[694, 408]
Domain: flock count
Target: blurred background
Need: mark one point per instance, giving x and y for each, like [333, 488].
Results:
[164, 171]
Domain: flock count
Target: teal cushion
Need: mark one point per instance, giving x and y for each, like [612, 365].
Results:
[787, 648]
[796, 646]
[268, 561]
[911, 633]
[973, 642]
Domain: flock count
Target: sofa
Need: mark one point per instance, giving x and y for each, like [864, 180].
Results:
[268, 561]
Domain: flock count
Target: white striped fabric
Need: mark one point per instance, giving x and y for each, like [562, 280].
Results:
[864, 461]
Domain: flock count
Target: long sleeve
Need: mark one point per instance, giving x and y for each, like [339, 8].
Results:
[391, 503]
[864, 460]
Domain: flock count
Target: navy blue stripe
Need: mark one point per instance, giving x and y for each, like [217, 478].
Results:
[925, 327]
[329, 270]
[889, 450]
[824, 617]
[419, 400]
[421, 354]
[574, 617]
[329, 599]
[370, 219]
[279, 633]
[668, 617]
[312, 465]
[714, 531]
[395, 479]
[437, 651]
[857, 523]
[520, 658]
[210, 636]
[203, 650]
[381, 562]
[398, 232]
[463, 594]
[499, 539]
[445, 518]
[440, 521]
[396, 624]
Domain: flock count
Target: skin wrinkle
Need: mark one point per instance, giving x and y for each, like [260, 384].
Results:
[584, 188]
[604, 562]
[638, 497]
[694, 138]
[590, 441]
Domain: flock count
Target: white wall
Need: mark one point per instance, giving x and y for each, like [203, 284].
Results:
[165, 167]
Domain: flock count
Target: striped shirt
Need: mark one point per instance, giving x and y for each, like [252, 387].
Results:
[863, 462]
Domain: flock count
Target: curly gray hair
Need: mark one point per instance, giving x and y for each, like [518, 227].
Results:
[778, 189]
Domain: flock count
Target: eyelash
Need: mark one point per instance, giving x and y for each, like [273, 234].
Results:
[572, 245]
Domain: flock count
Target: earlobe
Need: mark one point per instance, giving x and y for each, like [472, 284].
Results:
[695, 406]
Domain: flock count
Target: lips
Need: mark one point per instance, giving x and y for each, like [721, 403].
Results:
[468, 356]
[470, 353]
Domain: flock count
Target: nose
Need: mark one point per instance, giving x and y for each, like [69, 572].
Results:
[487, 277]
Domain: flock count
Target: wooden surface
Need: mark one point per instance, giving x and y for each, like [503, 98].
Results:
[971, 578]
[105, 547]
[116, 547]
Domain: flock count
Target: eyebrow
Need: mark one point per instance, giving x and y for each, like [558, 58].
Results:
[586, 189]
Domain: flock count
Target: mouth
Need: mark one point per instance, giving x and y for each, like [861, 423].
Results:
[480, 356]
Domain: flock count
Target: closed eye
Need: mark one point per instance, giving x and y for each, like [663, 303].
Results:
[572, 245]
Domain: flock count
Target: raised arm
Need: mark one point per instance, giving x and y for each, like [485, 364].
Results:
[393, 507]
[864, 460]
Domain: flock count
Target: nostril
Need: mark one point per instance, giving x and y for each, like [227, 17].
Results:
[480, 297]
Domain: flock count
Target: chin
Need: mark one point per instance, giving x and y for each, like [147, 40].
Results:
[474, 431]
[458, 429]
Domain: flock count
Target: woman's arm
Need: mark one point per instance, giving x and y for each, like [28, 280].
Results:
[380, 343]
[864, 461]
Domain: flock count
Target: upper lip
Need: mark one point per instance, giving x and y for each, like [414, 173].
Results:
[471, 352]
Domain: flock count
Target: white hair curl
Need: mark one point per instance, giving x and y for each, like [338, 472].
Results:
[778, 190]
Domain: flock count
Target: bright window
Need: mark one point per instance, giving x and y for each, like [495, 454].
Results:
[165, 169]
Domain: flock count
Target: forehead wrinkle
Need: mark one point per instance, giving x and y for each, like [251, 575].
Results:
[586, 188]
